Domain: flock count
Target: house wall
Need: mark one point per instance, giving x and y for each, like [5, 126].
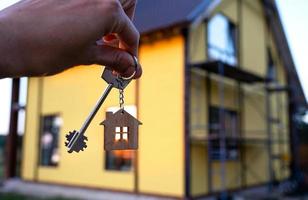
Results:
[198, 43]
[161, 96]
[73, 93]
[30, 141]
[254, 40]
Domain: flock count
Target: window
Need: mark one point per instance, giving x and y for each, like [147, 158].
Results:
[230, 128]
[49, 140]
[222, 40]
[271, 69]
[120, 160]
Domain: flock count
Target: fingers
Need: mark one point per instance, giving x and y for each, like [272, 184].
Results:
[127, 33]
[123, 38]
[115, 58]
[129, 7]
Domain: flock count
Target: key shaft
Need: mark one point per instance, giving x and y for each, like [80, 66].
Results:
[96, 108]
[90, 117]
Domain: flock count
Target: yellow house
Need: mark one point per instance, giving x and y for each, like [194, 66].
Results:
[216, 99]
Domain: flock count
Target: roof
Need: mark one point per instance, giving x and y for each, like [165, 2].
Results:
[111, 115]
[273, 17]
[154, 15]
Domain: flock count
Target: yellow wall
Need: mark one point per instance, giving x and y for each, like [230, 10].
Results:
[254, 112]
[199, 184]
[198, 105]
[30, 142]
[256, 160]
[161, 164]
[253, 37]
[72, 94]
[198, 43]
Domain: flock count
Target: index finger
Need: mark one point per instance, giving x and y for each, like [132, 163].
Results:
[129, 7]
[128, 34]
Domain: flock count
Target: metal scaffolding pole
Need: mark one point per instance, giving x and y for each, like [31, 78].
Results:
[222, 133]
[269, 141]
[209, 147]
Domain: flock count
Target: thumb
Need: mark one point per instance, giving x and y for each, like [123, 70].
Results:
[114, 58]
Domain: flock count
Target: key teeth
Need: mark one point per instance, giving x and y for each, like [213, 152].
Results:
[80, 144]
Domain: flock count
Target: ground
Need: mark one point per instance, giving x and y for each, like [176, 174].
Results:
[17, 189]
[11, 196]
[36, 191]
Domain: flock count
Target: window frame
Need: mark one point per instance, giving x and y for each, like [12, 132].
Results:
[118, 169]
[41, 127]
[236, 46]
[271, 70]
[231, 142]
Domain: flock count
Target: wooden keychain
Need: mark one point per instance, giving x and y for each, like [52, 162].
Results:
[121, 128]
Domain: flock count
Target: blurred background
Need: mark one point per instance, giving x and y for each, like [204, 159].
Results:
[227, 120]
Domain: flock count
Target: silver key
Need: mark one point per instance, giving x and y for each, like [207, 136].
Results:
[76, 140]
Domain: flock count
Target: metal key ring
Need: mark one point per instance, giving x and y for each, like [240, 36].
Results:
[136, 67]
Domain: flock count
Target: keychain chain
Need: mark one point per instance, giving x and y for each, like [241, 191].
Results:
[121, 93]
[121, 98]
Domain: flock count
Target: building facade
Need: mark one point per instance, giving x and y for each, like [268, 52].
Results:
[216, 99]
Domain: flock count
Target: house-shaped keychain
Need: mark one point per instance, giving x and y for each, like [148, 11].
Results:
[120, 131]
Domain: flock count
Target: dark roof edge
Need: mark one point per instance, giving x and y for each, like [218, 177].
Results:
[202, 9]
[199, 13]
[274, 20]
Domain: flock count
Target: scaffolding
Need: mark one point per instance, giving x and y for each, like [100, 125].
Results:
[222, 72]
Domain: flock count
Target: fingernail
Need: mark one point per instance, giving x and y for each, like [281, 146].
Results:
[110, 38]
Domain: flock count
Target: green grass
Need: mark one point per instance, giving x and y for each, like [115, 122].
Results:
[11, 196]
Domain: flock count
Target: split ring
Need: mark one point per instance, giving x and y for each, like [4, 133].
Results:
[136, 67]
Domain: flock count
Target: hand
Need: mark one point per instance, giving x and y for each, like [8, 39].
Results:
[44, 37]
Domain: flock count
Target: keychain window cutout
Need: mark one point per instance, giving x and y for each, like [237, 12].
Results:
[121, 133]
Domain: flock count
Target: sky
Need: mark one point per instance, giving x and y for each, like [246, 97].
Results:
[294, 14]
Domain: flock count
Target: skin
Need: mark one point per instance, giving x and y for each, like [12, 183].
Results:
[45, 37]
